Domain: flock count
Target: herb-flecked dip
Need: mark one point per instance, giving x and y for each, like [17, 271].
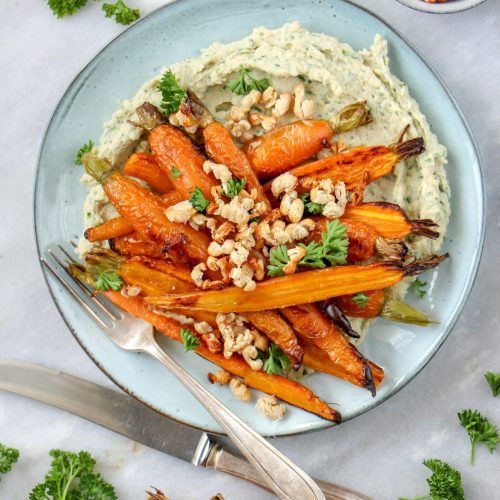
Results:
[370, 201]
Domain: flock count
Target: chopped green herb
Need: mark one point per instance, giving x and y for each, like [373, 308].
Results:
[444, 484]
[479, 429]
[253, 219]
[493, 380]
[175, 172]
[63, 8]
[189, 339]
[86, 148]
[234, 186]
[275, 360]
[107, 280]
[123, 14]
[8, 457]
[309, 206]
[171, 92]
[419, 287]
[198, 200]
[71, 476]
[245, 83]
[331, 251]
[361, 299]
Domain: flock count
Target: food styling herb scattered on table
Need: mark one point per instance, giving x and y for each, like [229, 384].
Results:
[444, 484]
[493, 380]
[8, 457]
[122, 14]
[479, 430]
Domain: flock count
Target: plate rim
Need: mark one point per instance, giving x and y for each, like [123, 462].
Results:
[435, 9]
[459, 307]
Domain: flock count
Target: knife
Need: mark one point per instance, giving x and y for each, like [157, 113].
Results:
[134, 420]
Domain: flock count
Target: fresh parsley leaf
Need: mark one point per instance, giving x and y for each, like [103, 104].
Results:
[86, 148]
[8, 457]
[309, 206]
[189, 339]
[63, 8]
[123, 14]
[107, 280]
[171, 92]
[198, 200]
[245, 83]
[361, 299]
[175, 172]
[234, 186]
[331, 251]
[493, 380]
[479, 429]
[275, 360]
[418, 286]
[71, 476]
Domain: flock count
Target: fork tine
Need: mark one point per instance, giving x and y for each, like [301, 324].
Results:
[99, 300]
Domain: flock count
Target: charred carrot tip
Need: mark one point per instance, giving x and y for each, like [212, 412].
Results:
[422, 227]
[409, 148]
[369, 382]
[419, 266]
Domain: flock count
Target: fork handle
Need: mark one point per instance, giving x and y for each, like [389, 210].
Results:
[284, 478]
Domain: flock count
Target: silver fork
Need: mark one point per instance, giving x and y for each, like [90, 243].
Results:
[284, 478]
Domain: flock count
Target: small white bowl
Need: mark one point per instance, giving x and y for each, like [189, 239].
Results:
[441, 8]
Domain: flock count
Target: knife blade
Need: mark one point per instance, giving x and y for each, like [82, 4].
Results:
[130, 418]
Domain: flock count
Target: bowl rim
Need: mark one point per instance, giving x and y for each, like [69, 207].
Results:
[430, 8]
[474, 268]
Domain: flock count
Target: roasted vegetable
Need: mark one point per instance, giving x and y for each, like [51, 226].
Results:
[144, 211]
[143, 166]
[281, 149]
[299, 288]
[135, 245]
[180, 159]
[389, 220]
[350, 167]
[279, 331]
[313, 326]
[220, 148]
[281, 387]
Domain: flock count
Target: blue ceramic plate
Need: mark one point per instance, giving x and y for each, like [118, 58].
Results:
[449, 7]
[172, 34]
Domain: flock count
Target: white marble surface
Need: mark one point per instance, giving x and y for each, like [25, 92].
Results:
[379, 453]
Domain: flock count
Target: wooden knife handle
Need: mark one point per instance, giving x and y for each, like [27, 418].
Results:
[223, 461]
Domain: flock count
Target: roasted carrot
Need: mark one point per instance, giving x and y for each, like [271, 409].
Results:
[220, 148]
[279, 331]
[143, 166]
[299, 288]
[371, 307]
[285, 389]
[311, 324]
[144, 211]
[136, 245]
[319, 361]
[180, 159]
[389, 220]
[119, 226]
[173, 269]
[290, 145]
[350, 167]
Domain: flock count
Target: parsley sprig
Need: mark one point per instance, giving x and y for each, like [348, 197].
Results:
[493, 380]
[63, 8]
[86, 148]
[198, 200]
[246, 83]
[275, 360]
[309, 206]
[419, 287]
[361, 299]
[176, 173]
[122, 14]
[108, 280]
[234, 186]
[8, 457]
[172, 93]
[71, 476]
[444, 484]
[331, 251]
[189, 339]
[479, 429]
